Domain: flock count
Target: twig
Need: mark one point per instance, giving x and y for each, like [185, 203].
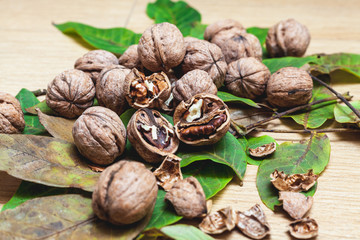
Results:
[338, 130]
[39, 92]
[236, 127]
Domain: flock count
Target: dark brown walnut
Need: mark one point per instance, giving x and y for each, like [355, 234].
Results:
[205, 56]
[125, 193]
[295, 204]
[192, 83]
[110, 88]
[289, 87]
[94, 61]
[247, 77]
[242, 46]
[169, 172]
[263, 150]
[295, 182]
[150, 92]
[219, 221]
[70, 93]
[253, 222]
[151, 135]
[11, 115]
[99, 135]
[188, 198]
[130, 58]
[287, 38]
[202, 120]
[161, 47]
[305, 228]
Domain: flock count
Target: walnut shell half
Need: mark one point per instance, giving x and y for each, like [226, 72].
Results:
[294, 182]
[295, 204]
[305, 228]
[169, 172]
[203, 120]
[11, 115]
[219, 221]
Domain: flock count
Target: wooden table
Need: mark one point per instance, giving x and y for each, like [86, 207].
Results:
[32, 52]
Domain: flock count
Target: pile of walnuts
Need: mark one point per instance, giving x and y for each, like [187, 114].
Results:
[168, 73]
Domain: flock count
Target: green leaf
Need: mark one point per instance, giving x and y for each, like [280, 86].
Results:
[275, 64]
[228, 97]
[115, 40]
[261, 34]
[177, 232]
[292, 158]
[227, 151]
[343, 114]
[27, 99]
[198, 30]
[255, 142]
[44, 108]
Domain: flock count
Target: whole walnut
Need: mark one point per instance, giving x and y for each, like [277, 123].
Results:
[222, 30]
[11, 115]
[110, 88]
[125, 193]
[247, 77]
[240, 46]
[192, 83]
[130, 58]
[205, 56]
[99, 135]
[289, 87]
[287, 38]
[70, 93]
[94, 61]
[161, 47]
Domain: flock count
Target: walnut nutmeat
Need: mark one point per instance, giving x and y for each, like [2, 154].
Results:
[11, 114]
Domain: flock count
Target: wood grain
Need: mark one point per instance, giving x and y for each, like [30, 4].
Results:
[33, 52]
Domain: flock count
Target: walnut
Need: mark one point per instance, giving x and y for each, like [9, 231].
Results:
[169, 172]
[305, 228]
[295, 182]
[94, 61]
[125, 193]
[130, 58]
[188, 198]
[189, 39]
[247, 77]
[287, 38]
[151, 135]
[70, 93]
[241, 46]
[295, 203]
[99, 135]
[11, 115]
[192, 83]
[110, 88]
[205, 56]
[219, 221]
[203, 120]
[161, 47]
[289, 87]
[263, 150]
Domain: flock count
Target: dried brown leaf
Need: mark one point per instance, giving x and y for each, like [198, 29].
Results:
[295, 204]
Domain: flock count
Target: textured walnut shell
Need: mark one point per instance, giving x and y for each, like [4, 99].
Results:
[287, 38]
[94, 61]
[222, 30]
[305, 228]
[207, 123]
[151, 135]
[219, 221]
[241, 46]
[188, 198]
[247, 77]
[130, 58]
[253, 222]
[263, 150]
[169, 172]
[125, 193]
[11, 115]
[289, 87]
[70, 93]
[295, 182]
[147, 92]
[295, 204]
[192, 83]
[99, 135]
[110, 88]
[161, 47]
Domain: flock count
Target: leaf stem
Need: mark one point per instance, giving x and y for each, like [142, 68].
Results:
[338, 130]
[39, 92]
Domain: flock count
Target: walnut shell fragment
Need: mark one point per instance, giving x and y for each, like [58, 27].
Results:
[188, 198]
[295, 204]
[151, 135]
[253, 222]
[11, 114]
[305, 228]
[263, 150]
[295, 182]
[219, 221]
[130, 58]
[169, 172]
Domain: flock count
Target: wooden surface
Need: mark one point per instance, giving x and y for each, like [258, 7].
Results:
[32, 52]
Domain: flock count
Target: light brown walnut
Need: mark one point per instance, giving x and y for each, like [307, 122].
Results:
[130, 58]
[11, 115]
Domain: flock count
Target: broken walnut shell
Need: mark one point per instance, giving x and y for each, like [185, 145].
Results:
[130, 58]
[295, 204]
[169, 172]
[125, 193]
[219, 221]
[188, 198]
[70, 93]
[202, 120]
[263, 150]
[305, 228]
[222, 30]
[151, 135]
[11, 114]
[295, 182]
